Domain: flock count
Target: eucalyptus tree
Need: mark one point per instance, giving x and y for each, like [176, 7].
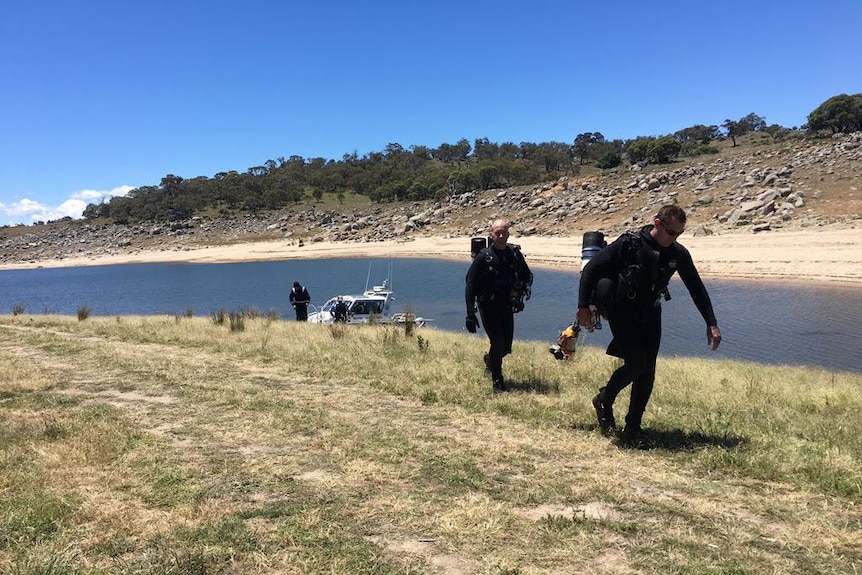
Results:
[748, 123]
[555, 156]
[585, 143]
[841, 113]
[462, 150]
[662, 150]
[698, 134]
[485, 150]
[732, 129]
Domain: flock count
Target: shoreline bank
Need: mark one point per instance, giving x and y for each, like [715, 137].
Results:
[816, 255]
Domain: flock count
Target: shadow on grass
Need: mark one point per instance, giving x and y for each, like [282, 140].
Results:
[679, 440]
[532, 386]
[668, 439]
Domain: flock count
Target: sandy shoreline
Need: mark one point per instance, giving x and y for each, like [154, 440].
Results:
[820, 254]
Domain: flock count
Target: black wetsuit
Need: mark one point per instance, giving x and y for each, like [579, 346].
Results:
[490, 281]
[636, 324]
[340, 312]
[299, 299]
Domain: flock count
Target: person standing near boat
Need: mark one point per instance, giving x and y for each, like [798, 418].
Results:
[299, 299]
[498, 282]
[340, 310]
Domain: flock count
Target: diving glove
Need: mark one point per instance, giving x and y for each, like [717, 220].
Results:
[471, 323]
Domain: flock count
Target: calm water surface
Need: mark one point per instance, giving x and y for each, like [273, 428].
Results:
[762, 322]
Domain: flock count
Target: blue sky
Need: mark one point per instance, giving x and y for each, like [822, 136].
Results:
[98, 97]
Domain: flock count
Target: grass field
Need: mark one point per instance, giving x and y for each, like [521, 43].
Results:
[178, 445]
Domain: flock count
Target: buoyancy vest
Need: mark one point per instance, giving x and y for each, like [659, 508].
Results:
[504, 276]
[642, 278]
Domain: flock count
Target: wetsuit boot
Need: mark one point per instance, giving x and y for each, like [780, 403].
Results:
[633, 434]
[495, 367]
[604, 411]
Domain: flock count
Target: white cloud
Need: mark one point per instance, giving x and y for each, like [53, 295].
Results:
[27, 211]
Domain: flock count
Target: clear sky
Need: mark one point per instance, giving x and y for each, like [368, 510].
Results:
[98, 97]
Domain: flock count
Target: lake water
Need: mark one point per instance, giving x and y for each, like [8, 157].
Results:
[769, 323]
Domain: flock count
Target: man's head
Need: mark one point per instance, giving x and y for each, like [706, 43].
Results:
[500, 233]
[668, 223]
[296, 284]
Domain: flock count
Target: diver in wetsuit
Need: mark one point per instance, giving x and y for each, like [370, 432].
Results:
[626, 281]
[499, 280]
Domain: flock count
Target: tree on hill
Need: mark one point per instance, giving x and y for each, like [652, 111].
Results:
[664, 150]
[840, 113]
[653, 150]
[746, 124]
[593, 147]
[584, 143]
[637, 150]
[697, 135]
[451, 153]
[752, 123]
[696, 139]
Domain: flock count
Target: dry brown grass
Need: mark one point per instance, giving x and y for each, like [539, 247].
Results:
[173, 445]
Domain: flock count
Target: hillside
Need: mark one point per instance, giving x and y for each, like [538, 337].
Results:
[754, 187]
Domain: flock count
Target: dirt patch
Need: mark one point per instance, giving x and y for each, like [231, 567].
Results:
[314, 475]
[595, 510]
[445, 564]
[118, 398]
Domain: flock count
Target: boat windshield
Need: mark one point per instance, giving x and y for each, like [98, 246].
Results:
[365, 307]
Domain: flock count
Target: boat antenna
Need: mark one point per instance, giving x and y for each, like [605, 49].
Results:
[368, 276]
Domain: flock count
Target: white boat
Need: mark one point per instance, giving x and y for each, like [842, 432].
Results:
[371, 306]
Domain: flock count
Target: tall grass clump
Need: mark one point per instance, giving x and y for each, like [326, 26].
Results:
[219, 317]
[422, 343]
[83, 312]
[237, 320]
[18, 309]
[337, 330]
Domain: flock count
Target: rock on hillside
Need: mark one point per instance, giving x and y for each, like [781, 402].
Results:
[754, 189]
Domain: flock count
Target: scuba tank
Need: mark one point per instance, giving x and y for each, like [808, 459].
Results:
[592, 244]
[477, 245]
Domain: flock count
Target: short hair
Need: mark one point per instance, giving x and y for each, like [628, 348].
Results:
[503, 221]
[671, 212]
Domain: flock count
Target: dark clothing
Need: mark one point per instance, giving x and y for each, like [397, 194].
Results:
[609, 262]
[340, 312]
[299, 299]
[637, 343]
[634, 313]
[495, 282]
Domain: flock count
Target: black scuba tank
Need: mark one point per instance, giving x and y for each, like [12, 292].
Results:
[592, 244]
[477, 245]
